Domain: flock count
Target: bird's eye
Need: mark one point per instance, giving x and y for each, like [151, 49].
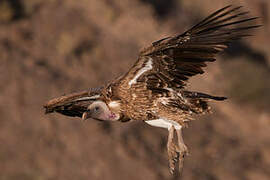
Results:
[96, 109]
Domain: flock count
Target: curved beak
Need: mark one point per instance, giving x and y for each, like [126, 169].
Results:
[86, 115]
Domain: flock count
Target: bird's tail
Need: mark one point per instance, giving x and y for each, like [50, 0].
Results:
[199, 101]
[203, 96]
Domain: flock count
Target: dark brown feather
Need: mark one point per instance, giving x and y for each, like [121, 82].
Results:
[74, 104]
[169, 63]
[184, 55]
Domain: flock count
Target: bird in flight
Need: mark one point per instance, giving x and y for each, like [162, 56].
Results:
[154, 89]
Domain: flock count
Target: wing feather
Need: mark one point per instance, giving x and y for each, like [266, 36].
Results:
[175, 59]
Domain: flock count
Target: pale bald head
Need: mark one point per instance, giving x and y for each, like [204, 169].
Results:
[100, 111]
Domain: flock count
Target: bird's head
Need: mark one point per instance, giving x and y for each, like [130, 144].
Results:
[99, 110]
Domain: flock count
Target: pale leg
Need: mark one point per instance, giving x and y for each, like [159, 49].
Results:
[172, 152]
[182, 149]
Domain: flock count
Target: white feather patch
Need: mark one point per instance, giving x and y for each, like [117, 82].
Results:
[88, 98]
[148, 66]
[164, 123]
[169, 89]
[113, 104]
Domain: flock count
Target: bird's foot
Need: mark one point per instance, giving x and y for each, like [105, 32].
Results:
[176, 153]
[173, 156]
[181, 149]
[172, 151]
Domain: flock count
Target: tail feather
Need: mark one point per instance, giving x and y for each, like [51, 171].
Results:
[198, 95]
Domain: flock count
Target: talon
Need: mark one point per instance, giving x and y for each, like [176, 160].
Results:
[182, 149]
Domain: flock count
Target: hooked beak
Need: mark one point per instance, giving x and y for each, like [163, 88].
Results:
[86, 115]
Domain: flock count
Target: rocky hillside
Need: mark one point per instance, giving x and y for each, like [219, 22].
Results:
[48, 48]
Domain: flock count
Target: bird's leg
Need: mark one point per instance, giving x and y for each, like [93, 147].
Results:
[182, 149]
[172, 152]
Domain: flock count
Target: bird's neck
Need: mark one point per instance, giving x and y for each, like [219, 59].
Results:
[116, 107]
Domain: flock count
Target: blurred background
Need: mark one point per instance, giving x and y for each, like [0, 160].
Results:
[48, 48]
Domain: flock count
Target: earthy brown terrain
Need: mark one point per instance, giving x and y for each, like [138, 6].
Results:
[48, 48]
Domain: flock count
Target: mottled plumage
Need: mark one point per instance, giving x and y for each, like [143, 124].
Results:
[154, 89]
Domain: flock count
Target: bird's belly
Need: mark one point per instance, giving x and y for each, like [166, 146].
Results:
[164, 123]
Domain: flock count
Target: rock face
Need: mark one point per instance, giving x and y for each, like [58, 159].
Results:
[48, 48]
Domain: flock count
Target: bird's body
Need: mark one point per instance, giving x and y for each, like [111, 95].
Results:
[154, 89]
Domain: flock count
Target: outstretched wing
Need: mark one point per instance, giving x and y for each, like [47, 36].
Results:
[169, 62]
